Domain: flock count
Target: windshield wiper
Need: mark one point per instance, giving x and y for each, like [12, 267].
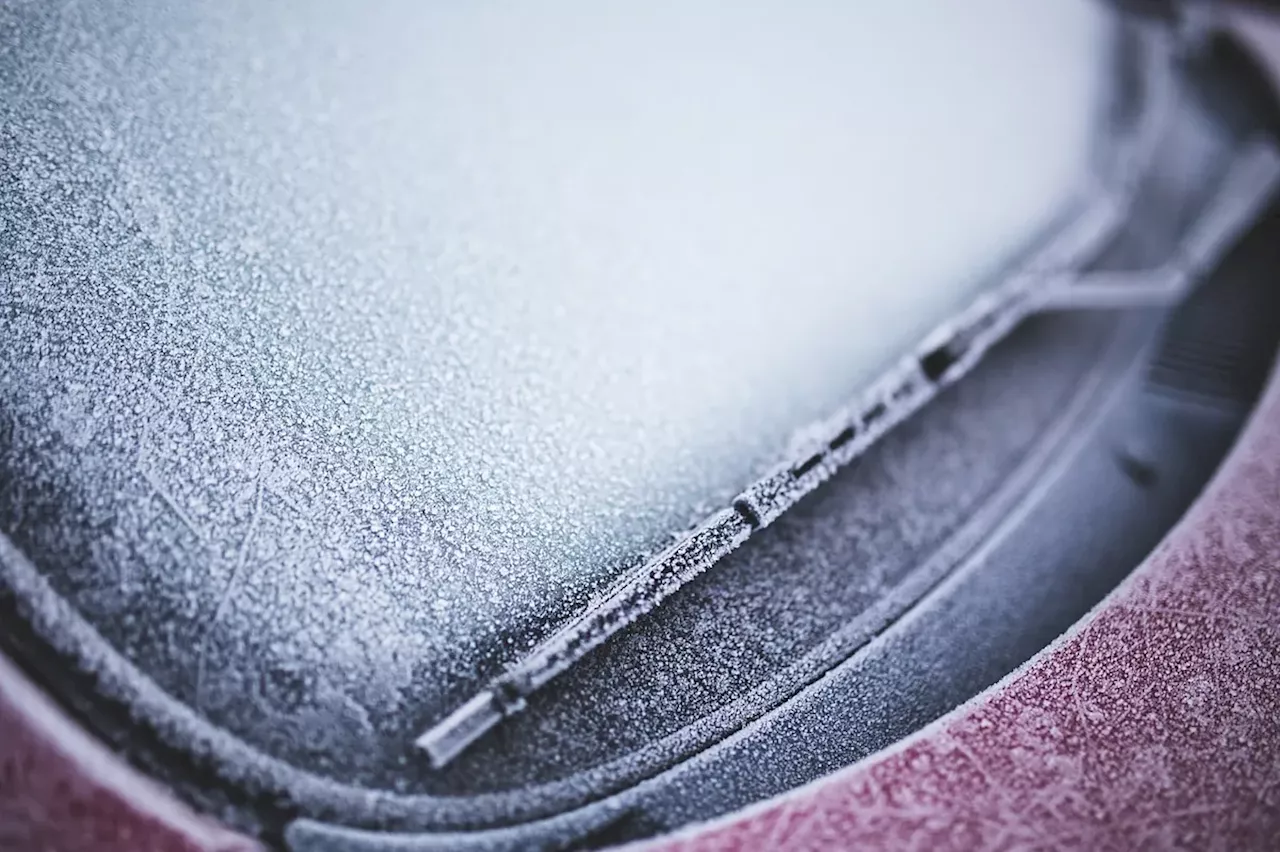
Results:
[1057, 276]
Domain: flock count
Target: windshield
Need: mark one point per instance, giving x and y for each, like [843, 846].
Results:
[425, 321]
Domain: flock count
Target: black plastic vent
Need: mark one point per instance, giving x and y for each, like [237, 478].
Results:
[1220, 344]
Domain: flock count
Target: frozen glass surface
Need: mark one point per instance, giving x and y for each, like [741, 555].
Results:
[425, 319]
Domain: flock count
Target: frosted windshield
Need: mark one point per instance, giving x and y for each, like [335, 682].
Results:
[455, 310]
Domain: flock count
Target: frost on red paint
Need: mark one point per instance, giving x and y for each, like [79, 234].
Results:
[62, 792]
[1155, 724]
